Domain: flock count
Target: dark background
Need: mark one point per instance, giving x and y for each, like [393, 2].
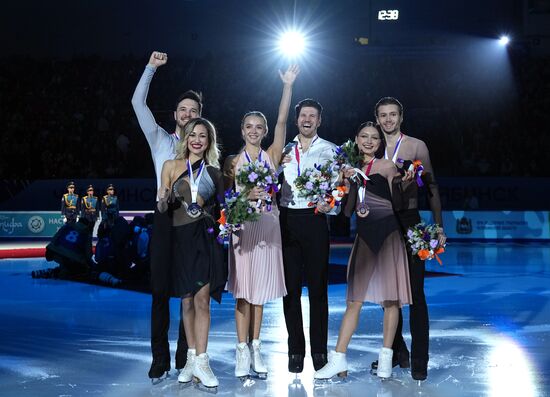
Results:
[68, 70]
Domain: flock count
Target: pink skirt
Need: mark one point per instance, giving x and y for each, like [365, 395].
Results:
[256, 272]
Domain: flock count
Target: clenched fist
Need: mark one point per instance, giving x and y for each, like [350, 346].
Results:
[158, 59]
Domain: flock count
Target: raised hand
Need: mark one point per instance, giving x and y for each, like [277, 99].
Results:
[289, 76]
[158, 59]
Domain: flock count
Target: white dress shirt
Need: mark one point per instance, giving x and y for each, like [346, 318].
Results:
[319, 151]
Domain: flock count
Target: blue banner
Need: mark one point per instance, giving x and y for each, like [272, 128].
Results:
[494, 225]
[29, 224]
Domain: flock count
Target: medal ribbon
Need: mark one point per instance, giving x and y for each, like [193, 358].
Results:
[363, 189]
[249, 159]
[395, 151]
[194, 182]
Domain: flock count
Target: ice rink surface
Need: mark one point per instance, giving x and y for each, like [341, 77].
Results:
[490, 334]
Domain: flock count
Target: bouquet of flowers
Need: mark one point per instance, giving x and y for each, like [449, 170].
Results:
[347, 154]
[315, 184]
[424, 243]
[235, 211]
[258, 173]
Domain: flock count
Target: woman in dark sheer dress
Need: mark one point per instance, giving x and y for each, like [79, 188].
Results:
[377, 268]
[198, 267]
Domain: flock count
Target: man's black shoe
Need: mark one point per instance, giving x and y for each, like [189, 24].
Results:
[319, 360]
[159, 367]
[400, 358]
[419, 369]
[295, 363]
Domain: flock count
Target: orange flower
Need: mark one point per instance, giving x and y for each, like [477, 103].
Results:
[222, 220]
[423, 254]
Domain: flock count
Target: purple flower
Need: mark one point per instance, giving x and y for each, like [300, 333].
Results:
[324, 185]
[434, 243]
[269, 180]
[426, 237]
[252, 177]
[249, 210]
[309, 185]
[410, 233]
[308, 174]
[210, 230]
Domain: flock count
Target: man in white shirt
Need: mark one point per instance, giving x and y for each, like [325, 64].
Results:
[162, 145]
[305, 238]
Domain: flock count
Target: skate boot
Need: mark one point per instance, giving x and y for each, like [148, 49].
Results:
[242, 361]
[159, 370]
[384, 363]
[186, 374]
[203, 374]
[400, 357]
[419, 369]
[337, 365]
[258, 365]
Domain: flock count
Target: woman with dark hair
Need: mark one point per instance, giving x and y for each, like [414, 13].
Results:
[377, 268]
[190, 186]
[256, 273]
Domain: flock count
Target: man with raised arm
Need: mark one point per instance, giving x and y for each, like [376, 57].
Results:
[162, 144]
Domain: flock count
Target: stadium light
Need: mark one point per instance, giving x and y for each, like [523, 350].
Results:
[504, 40]
[292, 43]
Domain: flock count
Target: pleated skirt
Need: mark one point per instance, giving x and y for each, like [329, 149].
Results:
[256, 272]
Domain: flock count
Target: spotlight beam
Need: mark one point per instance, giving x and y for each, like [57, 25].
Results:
[292, 44]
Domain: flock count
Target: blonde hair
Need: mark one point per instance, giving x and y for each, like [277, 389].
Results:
[255, 113]
[212, 153]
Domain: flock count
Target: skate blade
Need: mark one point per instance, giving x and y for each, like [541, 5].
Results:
[259, 375]
[156, 381]
[335, 380]
[207, 389]
[183, 383]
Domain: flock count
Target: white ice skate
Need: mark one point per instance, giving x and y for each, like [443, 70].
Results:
[337, 365]
[257, 362]
[242, 361]
[384, 363]
[186, 374]
[203, 373]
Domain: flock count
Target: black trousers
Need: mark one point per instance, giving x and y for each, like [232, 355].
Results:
[160, 324]
[418, 311]
[161, 291]
[305, 240]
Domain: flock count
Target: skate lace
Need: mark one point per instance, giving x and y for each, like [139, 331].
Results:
[205, 367]
[242, 354]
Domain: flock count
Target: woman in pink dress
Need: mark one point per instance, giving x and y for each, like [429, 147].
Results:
[256, 273]
[378, 269]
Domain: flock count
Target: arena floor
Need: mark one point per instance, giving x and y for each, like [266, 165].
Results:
[490, 330]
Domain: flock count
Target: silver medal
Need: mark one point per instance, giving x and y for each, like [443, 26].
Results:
[193, 210]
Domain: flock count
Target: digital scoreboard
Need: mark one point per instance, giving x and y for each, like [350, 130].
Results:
[388, 15]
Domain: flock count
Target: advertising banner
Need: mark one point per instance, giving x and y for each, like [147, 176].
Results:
[29, 224]
[25, 224]
[495, 225]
